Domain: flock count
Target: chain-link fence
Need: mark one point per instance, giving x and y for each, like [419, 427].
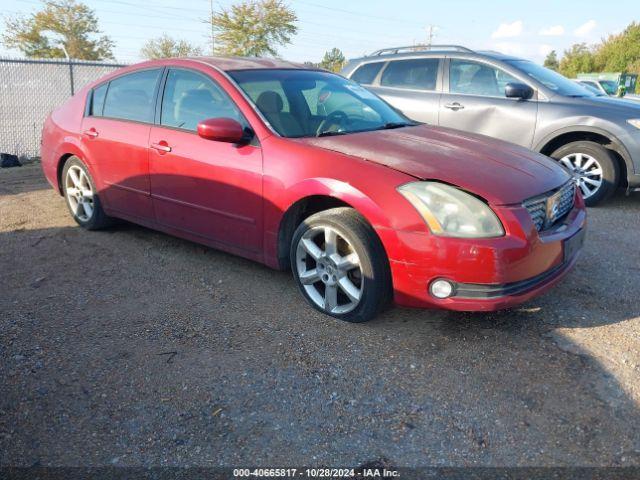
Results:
[30, 89]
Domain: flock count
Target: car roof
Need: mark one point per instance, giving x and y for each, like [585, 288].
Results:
[242, 63]
[437, 53]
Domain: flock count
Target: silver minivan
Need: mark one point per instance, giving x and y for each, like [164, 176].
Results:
[516, 100]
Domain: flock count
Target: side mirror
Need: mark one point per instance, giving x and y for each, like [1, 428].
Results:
[221, 130]
[518, 90]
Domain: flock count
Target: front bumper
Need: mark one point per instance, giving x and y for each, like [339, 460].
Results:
[629, 149]
[488, 274]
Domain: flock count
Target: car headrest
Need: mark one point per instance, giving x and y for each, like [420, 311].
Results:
[194, 100]
[485, 76]
[270, 102]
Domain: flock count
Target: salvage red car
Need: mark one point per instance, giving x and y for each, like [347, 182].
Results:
[300, 168]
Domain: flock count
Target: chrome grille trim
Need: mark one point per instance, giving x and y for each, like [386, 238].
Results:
[547, 209]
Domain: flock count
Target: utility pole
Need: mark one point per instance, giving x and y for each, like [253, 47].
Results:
[213, 32]
[431, 29]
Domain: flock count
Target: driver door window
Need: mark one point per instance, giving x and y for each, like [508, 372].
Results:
[473, 78]
[190, 97]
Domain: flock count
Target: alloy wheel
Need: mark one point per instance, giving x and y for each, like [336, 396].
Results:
[79, 193]
[329, 269]
[587, 172]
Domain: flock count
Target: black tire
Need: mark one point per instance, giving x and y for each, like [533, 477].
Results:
[607, 161]
[98, 219]
[374, 265]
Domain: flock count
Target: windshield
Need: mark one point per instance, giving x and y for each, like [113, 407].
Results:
[309, 103]
[550, 79]
[609, 86]
[592, 89]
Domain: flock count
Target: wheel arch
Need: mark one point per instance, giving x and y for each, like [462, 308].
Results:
[60, 167]
[561, 137]
[326, 194]
[66, 151]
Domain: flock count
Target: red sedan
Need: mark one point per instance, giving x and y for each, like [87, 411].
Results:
[300, 168]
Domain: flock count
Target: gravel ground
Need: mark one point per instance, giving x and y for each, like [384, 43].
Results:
[130, 347]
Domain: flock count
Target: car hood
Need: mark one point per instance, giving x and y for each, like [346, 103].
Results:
[500, 172]
[622, 105]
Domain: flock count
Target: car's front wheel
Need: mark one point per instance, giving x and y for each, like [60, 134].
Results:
[594, 167]
[340, 265]
[82, 197]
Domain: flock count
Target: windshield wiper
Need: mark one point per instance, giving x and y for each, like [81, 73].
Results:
[390, 125]
[330, 134]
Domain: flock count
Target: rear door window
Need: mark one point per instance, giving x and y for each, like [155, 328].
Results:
[416, 74]
[130, 97]
[367, 73]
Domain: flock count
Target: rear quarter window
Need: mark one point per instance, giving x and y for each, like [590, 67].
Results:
[366, 74]
[97, 100]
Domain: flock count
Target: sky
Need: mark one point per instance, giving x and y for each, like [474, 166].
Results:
[525, 28]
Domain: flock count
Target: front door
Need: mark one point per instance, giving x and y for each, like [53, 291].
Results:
[209, 189]
[475, 102]
[116, 137]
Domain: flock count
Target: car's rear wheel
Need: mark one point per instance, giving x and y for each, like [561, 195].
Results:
[340, 265]
[82, 197]
[594, 168]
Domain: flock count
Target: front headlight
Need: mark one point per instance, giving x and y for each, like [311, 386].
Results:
[635, 122]
[450, 212]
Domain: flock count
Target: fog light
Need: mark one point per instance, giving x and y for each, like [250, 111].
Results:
[441, 288]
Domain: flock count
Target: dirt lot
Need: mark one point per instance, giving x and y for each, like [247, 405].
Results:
[130, 347]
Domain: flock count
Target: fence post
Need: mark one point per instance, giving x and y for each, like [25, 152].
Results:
[71, 76]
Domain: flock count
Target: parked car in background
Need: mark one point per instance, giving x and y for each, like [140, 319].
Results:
[299, 168]
[597, 138]
[610, 83]
[605, 87]
[600, 93]
[592, 88]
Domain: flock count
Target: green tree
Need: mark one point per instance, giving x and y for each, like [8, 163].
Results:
[166, 47]
[254, 28]
[635, 68]
[618, 52]
[578, 59]
[552, 61]
[74, 22]
[333, 60]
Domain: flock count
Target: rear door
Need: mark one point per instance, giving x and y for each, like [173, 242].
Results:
[116, 137]
[473, 101]
[413, 86]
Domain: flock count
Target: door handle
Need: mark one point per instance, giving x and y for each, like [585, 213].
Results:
[161, 147]
[455, 106]
[91, 133]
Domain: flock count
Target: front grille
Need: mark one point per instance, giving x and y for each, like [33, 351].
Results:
[551, 207]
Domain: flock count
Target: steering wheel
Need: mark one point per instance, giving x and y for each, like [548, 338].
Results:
[337, 118]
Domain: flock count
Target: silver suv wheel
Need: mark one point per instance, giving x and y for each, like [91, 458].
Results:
[587, 172]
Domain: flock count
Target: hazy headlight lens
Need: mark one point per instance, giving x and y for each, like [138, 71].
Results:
[635, 122]
[450, 212]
